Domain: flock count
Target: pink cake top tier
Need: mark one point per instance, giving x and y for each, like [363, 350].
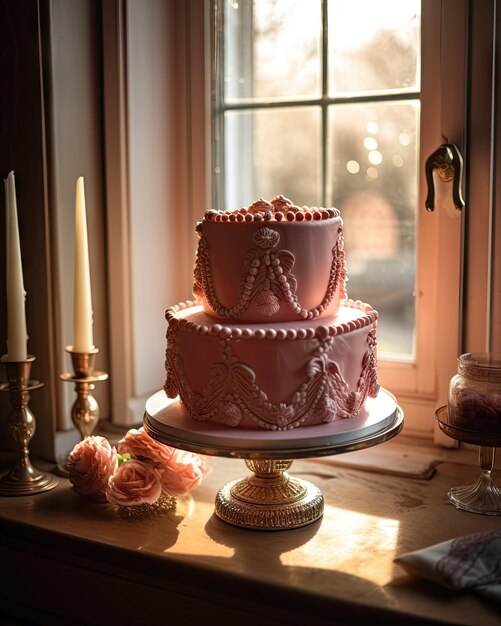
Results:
[270, 262]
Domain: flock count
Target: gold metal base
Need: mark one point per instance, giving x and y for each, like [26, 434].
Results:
[85, 409]
[269, 499]
[26, 481]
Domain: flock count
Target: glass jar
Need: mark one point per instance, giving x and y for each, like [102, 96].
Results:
[474, 402]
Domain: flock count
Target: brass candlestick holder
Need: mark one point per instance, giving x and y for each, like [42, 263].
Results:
[23, 479]
[85, 409]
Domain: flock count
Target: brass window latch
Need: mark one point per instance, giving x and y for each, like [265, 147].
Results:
[448, 163]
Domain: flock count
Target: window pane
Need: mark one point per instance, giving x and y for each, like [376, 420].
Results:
[373, 46]
[270, 152]
[373, 180]
[272, 49]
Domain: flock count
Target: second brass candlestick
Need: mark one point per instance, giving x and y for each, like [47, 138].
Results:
[85, 409]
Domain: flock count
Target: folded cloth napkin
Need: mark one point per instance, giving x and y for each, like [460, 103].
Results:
[470, 563]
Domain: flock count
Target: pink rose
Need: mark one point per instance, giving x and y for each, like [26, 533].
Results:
[141, 446]
[183, 473]
[134, 483]
[90, 465]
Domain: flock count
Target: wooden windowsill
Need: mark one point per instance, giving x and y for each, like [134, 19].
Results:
[67, 561]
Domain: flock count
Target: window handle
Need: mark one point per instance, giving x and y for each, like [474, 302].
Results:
[448, 163]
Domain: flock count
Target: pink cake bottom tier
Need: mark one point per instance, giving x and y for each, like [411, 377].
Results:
[275, 376]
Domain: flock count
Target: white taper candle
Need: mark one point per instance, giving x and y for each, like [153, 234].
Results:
[17, 337]
[82, 301]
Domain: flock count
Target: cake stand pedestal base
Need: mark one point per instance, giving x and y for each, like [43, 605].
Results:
[269, 499]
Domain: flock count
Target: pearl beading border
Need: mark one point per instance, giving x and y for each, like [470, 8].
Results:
[292, 214]
[321, 331]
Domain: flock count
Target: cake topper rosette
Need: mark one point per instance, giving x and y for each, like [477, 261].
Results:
[279, 209]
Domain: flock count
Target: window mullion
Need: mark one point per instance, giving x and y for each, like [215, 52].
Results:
[217, 67]
[325, 49]
[324, 100]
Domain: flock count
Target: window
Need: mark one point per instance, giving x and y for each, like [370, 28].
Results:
[320, 101]
[329, 103]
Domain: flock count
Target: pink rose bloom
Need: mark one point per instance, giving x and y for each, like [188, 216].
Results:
[134, 483]
[183, 473]
[141, 446]
[90, 465]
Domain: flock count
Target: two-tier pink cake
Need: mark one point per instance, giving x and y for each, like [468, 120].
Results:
[271, 340]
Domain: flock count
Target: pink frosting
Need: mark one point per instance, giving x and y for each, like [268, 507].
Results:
[280, 271]
[267, 342]
[266, 375]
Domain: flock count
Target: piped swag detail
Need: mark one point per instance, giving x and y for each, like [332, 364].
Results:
[268, 280]
[232, 391]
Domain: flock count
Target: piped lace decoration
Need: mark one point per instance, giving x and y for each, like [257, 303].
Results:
[232, 391]
[268, 280]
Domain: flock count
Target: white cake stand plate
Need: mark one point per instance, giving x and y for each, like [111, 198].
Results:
[271, 499]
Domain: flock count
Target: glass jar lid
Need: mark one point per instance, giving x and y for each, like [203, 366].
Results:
[483, 365]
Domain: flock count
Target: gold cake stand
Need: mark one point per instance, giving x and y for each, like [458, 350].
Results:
[270, 498]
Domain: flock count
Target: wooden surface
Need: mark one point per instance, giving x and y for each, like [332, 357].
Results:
[81, 563]
[405, 457]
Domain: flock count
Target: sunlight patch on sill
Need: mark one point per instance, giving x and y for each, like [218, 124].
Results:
[352, 543]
